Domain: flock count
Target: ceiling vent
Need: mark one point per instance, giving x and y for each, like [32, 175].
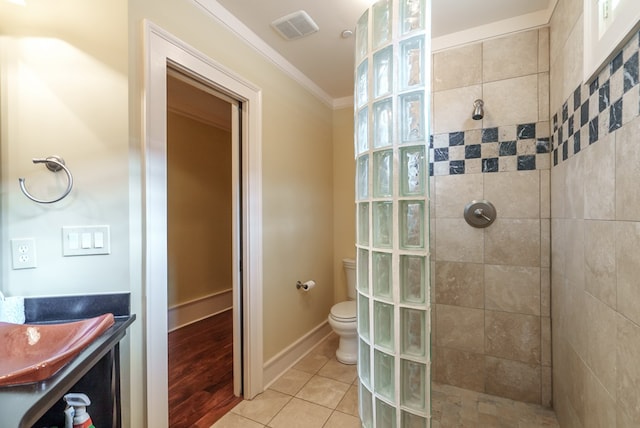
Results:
[295, 25]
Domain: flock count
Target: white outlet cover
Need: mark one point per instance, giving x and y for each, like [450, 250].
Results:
[23, 253]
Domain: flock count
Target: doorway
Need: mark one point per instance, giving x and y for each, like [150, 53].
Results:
[164, 52]
[203, 247]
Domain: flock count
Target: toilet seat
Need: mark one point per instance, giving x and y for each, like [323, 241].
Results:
[344, 311]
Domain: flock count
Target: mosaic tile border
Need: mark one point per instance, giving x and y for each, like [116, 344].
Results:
[520, 147]
[599, 108]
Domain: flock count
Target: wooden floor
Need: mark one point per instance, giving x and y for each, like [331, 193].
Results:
[201, 372]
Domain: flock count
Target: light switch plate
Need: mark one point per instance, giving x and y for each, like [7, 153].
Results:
[85, 240]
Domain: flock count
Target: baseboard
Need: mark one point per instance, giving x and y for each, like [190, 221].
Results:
[287, 358]
[187, 313]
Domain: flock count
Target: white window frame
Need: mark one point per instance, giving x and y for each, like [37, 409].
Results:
[600, 44]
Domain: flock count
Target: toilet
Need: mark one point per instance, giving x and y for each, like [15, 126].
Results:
[342, 318]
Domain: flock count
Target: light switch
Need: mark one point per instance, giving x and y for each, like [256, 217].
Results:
[85, 240]
[98, 240]
[73, 241]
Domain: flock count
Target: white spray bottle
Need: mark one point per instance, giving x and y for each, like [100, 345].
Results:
[78, 418]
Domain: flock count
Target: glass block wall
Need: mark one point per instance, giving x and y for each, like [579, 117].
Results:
[392, 97]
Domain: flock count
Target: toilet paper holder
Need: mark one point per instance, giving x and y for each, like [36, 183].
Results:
[305, 286]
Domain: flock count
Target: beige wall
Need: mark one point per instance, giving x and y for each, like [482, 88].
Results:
[199, 209]
[491, 286]
[595, 225]
[344, 213]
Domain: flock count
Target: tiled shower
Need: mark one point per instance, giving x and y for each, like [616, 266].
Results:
[491, 317]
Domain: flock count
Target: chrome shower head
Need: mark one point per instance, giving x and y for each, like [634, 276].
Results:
[478, 110]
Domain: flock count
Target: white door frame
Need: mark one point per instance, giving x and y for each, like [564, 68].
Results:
[161, 48]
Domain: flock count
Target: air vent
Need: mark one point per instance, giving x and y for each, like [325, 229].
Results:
[295, 25]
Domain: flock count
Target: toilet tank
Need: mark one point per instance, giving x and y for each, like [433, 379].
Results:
[350, 271]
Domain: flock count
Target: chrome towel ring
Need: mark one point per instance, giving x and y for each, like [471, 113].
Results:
[53, 164]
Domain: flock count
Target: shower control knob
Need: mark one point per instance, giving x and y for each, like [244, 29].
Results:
[479, 213]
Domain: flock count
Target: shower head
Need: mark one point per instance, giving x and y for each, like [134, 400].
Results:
[478, 110]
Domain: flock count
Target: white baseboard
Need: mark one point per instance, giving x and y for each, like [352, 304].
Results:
[288, 357]
[187, 313]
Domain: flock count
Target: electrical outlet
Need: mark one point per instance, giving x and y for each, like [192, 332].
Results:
[23, 253]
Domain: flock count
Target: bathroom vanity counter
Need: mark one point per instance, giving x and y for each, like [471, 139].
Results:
[95, 369]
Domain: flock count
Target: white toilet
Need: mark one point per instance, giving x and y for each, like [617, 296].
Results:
[342, 318]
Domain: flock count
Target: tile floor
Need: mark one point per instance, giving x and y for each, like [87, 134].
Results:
[320, 392]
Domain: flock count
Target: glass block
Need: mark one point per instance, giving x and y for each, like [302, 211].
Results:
[385, 415]
[381, 23]
[366, 407]
[412, 279]
[383, 174]
[363, 270]
[363, 316]
[411, 15]
[384, 375]
[412, 224]
[412, 171]
[363, 131]
[412, 331]
[363, 223]
[383, 224]
[410, 420]
[412, 67]
[413, 117]
[364, 363]
[383, 324]
[383, 72]
[381, 277]
[362, 36]
[383, 123]
[362, 84]
[363, 177]
[414, 385]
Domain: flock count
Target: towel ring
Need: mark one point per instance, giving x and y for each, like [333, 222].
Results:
[53, 164]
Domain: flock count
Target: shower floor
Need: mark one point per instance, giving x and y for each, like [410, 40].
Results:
[454, 407]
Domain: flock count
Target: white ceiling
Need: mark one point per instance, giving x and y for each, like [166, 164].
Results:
[327, 59]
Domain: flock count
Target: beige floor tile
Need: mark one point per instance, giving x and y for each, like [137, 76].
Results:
[327, 347]
[291, 381]
[264, 407]
[335, 370]
[324, 391]
[342, 420]
[300, 414]
[231, 420]
[349, 403]
[311, 363]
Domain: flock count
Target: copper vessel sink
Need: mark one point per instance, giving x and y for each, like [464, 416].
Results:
[34, 352]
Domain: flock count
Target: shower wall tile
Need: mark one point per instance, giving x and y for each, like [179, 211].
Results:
[545, 341]
[545, 193]
[628, 171]
[513, 336]
[628, 269]
[452, 192]
[600, 260]
[460, 284]
[460, 328]
[543, 95]
[601, 322]
[545, 292]
[599, 404]
[522, 51]
[503, 189]
[459, 368]
[543, 49]
[452, 109]
[513, 242]
[627, 371]
[512, 289]
[457, 242]
[513, 379]
[600, 180]
[500, 98]
[457, 68]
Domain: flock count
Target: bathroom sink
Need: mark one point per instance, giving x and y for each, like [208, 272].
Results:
[34, 352]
